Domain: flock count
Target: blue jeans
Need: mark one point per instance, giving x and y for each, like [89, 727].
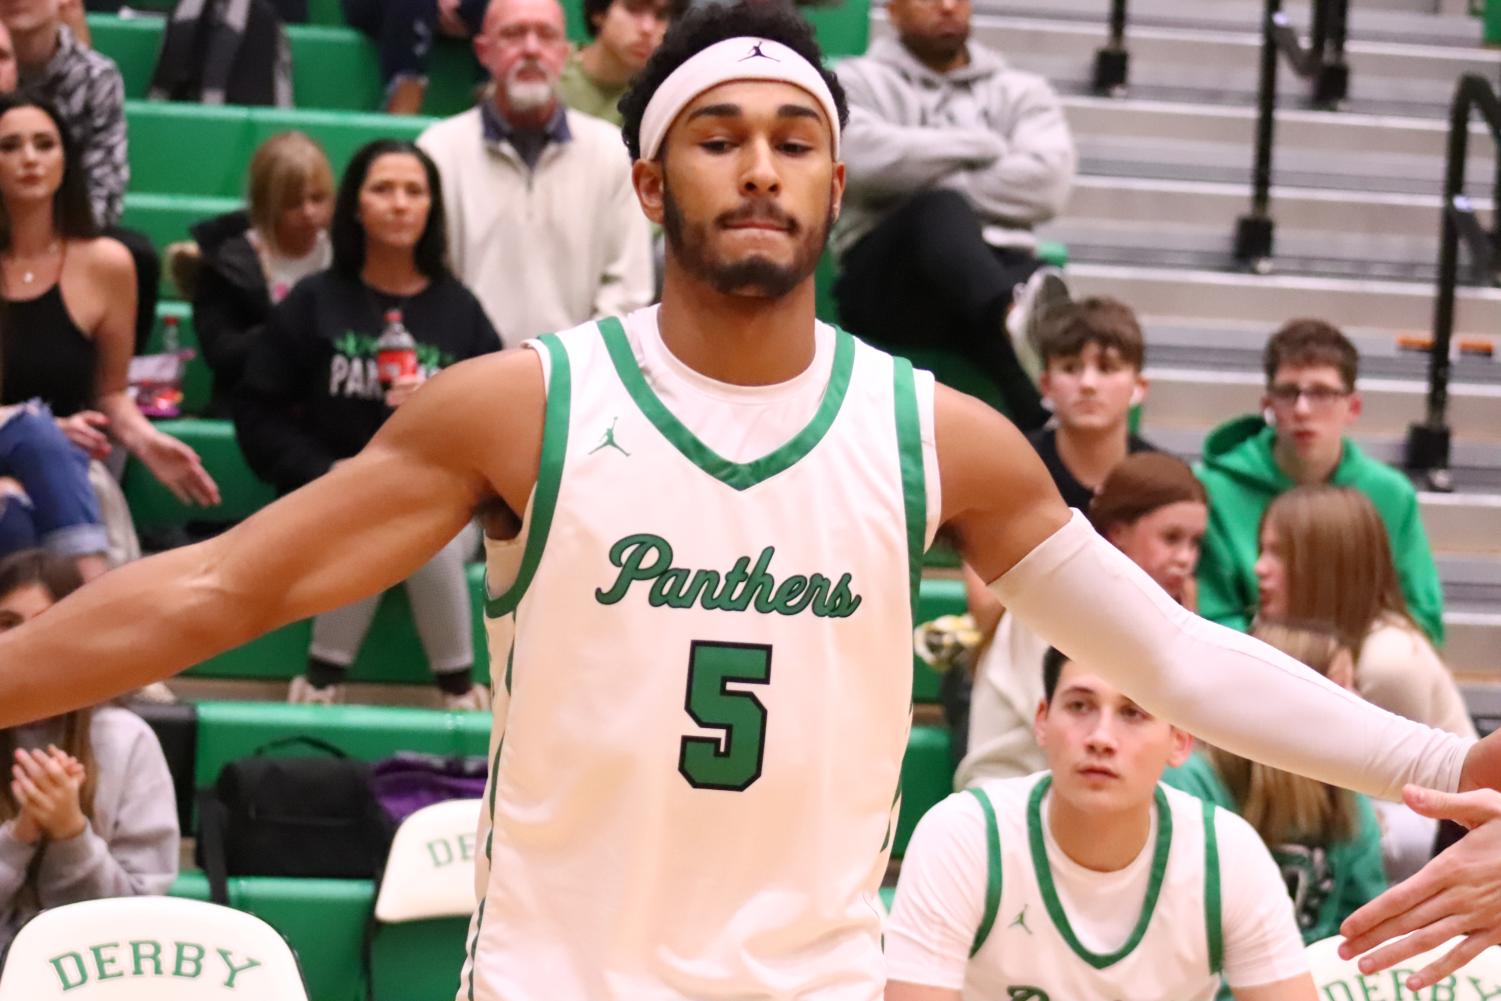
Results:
[404, 30]
[59, 511]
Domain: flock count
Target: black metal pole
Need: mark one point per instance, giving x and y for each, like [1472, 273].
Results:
[1318, 28]
[1254, 232]
[1112, 64]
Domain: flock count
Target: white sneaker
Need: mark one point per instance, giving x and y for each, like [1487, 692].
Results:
[302, 693]
[477, 699]
[1033, 303]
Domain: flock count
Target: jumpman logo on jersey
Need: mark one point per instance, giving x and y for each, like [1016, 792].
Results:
[756, 53]
[608, 441]
[1020, 921]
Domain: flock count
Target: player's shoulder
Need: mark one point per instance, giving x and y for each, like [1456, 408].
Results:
[969, 811]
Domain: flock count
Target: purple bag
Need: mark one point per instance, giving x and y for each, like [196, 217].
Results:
[409, 781]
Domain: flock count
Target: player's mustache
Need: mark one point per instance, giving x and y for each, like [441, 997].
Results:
[759, 212]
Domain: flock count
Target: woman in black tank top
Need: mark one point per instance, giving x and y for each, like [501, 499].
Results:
[67, 322]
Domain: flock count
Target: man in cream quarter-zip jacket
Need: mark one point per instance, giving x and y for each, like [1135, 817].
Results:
[953, 157]
[543, 224]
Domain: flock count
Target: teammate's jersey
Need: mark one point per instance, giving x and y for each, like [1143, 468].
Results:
[701, 721]
[1026, 946]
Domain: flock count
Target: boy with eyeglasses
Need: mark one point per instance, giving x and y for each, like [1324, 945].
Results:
[1300, 438]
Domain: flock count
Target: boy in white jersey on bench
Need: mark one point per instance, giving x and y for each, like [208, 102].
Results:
[1091, 881]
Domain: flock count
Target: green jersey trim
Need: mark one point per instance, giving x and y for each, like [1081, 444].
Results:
[737, 475]
[1213, 922]
[1044, 871]
[479, 918]
[992, 871]
[549, 476]
[914, 485]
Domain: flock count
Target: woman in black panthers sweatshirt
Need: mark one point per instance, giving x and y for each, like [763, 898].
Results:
[312, 395]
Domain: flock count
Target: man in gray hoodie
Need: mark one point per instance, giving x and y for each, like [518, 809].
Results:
[952, 157]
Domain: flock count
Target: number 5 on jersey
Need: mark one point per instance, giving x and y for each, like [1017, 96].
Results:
[731, 761]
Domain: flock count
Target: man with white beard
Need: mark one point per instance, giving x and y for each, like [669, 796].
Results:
[543, 224]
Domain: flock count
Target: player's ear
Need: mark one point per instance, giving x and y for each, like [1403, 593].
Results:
[1183, 746]
[1038, 729]
[836, 193]
[647, 178]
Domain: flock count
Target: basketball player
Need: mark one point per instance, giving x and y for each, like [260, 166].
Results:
[1091, 881]
[701, 718]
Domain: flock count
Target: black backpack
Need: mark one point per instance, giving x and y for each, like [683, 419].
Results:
[292, 816]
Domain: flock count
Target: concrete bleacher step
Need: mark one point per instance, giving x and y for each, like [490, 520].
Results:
[1367, 22]
[1168, 140]
[1180, 223]
[1221, 66]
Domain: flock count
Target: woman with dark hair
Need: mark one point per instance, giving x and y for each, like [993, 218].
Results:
[70, 303]
[88, 810]
[313, 395]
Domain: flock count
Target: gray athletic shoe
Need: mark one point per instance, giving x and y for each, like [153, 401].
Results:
[1033, 304]
[303, 693]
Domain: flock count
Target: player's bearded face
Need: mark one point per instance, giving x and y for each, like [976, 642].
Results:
[699, 245]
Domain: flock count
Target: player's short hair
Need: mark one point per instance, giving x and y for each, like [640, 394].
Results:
[595, 10]
[1052, 669]
[1305, 343]
[1100, 320]
[1140, 484]
[702, 27]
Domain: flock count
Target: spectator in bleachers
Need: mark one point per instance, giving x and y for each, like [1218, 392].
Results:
[89, 93]
[404, 31]
[1326, 558]
[953, 158]
[624, 34]
[45, 497]
[10, 73]
[1152, 509]
[1300, 438]
[69, 299]
[1326, 840]
[313, 396]
[1139, 890]
[543, 222]
[1092, 356]
[248, 260]
[89, 811]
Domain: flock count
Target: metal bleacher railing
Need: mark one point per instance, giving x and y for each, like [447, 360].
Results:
[1112, 64]
[1323, 64]
[1427, 451]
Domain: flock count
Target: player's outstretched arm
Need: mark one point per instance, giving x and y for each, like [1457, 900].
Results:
[471, 435]
[898, 991]
[1083, 596]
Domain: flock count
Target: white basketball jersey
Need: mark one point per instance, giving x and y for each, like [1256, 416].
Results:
[701, 721]
[1027, 950]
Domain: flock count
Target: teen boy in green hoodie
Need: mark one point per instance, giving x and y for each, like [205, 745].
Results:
[1300, 438]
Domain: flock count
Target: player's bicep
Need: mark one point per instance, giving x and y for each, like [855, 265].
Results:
[1299, 988]
[940, 897]
[999, 502]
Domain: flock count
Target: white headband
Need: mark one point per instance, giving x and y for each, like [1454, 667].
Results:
[732, 59]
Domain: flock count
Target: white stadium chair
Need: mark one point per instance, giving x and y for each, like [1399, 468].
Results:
[149, 949]
[1341, 980]
[430, 871]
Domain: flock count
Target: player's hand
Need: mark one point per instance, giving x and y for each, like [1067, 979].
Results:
[48, 787]
[1457, 894]
[449, 21]
[402, 389]
[86, 430]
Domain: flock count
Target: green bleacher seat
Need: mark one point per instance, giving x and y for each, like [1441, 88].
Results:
[441, 942]
[166, 219]
[323, 920]
[241, 493]
[927, 777]
[231, 730]
[843, 28]
[194, 149]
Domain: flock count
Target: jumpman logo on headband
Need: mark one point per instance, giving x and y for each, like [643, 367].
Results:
[756, 53]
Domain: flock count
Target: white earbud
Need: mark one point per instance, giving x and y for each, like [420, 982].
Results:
[1137, 395]
[1270, 416]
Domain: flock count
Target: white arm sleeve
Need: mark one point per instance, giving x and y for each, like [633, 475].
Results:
[1086, 598]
